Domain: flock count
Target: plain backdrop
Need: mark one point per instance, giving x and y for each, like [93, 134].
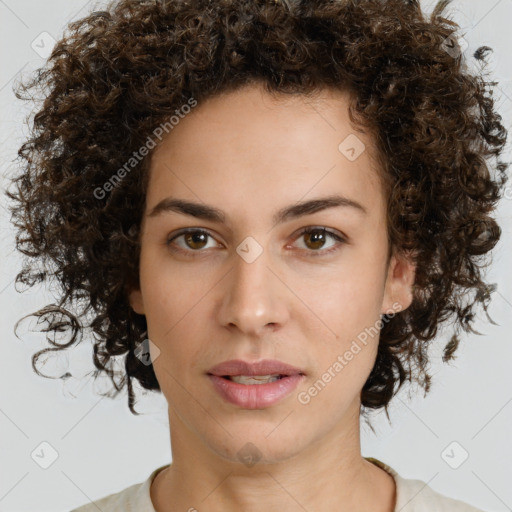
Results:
[94, 446]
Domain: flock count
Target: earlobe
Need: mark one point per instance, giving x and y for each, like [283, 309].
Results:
[399, 284]
[136, 302]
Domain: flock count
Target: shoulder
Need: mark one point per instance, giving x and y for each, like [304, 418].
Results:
[124, 500]
[416, 496]
[135, 498]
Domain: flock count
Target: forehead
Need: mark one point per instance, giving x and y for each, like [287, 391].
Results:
[252, 149]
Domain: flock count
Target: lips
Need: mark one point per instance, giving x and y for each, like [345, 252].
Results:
[265, 367]
[254, 393]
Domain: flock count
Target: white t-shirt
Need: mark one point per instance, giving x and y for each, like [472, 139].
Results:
[411, 496]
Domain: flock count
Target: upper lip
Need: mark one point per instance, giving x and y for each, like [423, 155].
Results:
[264, 367]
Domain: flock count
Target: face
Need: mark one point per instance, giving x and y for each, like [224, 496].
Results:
[251, 285]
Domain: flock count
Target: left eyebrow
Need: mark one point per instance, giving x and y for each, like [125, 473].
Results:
[207, 212]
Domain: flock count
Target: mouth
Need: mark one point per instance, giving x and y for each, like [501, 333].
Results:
[253, 379]
[254, 385]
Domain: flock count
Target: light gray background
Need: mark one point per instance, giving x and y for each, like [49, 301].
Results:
[102, 448]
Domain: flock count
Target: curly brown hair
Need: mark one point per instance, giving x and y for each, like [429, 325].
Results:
[120, 73]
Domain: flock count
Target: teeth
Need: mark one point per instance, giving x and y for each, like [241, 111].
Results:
[254, 379]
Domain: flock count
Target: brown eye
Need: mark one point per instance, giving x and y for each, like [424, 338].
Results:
[315, 238]
[194, 240]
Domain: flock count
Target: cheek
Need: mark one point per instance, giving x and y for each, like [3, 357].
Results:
[174, 327]
[347, 301]
[167, 294]
[344, 325]
[175, 317]
[345, 354]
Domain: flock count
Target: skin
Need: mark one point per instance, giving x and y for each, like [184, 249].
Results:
[250, 153]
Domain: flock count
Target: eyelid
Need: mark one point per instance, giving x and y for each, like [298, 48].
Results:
[329, 231]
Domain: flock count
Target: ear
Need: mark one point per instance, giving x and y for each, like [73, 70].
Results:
[136, 302]
[398, 294]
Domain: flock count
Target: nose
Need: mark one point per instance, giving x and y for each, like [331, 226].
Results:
[254, 296]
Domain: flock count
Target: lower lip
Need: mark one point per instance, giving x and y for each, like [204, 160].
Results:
[255, 396]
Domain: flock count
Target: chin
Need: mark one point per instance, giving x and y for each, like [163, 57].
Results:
[249, 455]
[257, 444]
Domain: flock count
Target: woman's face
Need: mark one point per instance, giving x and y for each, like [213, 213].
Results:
[254, 288]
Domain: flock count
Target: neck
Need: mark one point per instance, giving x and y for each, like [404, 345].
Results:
[330, 474]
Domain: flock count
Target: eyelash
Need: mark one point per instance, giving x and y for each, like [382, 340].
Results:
[304, 231]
